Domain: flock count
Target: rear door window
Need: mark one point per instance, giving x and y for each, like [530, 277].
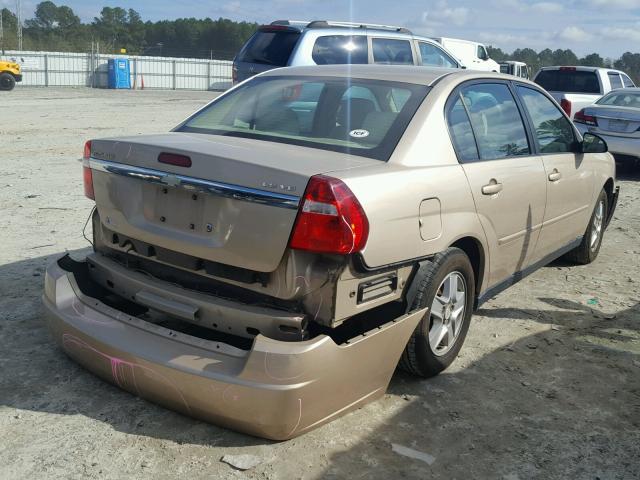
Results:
[552, 129]
[496, 121]
[616, 81]
[461, 132]
[390, 51]
[340, 49]
[569, 80]
[435, 57]
[270, 46]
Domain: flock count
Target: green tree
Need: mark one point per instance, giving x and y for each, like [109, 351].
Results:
[592, 60]
[630, 64]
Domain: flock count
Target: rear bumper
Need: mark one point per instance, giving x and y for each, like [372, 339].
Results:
[275, 390]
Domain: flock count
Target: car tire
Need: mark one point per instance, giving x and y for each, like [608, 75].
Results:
[589, 248]
[7, 82]
[425, 354]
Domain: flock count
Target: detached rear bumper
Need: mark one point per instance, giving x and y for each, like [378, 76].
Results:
[276, 390]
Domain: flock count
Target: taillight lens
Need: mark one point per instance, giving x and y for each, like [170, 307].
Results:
[330, 220]
[566, 106]
[581, 117]
[87, 174]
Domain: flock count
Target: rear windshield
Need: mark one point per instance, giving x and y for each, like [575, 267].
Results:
[269, 47]
[355, 116]
[621, 99]
[569, 81]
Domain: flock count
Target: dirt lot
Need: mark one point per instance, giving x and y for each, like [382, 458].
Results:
[547, 386]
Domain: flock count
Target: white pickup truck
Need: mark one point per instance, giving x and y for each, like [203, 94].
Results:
[577, 87]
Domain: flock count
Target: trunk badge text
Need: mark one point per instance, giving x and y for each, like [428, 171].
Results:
[279, 186]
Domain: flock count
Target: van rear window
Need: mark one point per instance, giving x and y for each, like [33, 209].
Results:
[569, 81]
[269, 46]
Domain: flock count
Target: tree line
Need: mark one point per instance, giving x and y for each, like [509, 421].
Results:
[57, 28]
[628, 62]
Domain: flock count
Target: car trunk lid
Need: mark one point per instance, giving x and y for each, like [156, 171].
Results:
[617, 120]
[235, 204]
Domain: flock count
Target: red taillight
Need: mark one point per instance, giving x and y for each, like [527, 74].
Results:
[581, 117]
[174, 159]
[330, 220]
[568, 69]
[566, 106]
[87, 174]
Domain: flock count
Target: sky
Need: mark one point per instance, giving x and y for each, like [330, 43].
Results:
[608, 27]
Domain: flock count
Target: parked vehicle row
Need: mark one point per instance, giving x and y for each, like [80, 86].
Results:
[266, 264]
[577, 87]
[291, 43]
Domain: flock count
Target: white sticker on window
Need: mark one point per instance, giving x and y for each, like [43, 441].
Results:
[359, 133]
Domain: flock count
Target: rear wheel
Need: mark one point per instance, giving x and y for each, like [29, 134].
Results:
[448, 288]
[7, 82]
[589, 248]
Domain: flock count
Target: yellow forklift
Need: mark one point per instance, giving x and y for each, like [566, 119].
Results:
[10, 73]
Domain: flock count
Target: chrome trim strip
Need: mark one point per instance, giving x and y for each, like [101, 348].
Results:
[226, 190]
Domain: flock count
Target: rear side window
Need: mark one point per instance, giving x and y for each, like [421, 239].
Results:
[461, 132]
[269, 47]
[627, 82]
[340, 49]
[616, 81]
[569, 81]
[496, 121]
[552, 129]
[392, 52]
[434, 57]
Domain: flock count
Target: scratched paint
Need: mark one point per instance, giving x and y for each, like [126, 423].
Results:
[119, 367]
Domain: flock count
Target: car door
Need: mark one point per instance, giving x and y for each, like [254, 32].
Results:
[569, 176]
[507, 180]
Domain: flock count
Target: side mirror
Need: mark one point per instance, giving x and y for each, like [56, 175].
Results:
[592, 143]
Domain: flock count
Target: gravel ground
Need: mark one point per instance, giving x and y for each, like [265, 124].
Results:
[547, 385]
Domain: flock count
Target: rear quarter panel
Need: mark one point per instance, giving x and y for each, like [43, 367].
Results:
[423, 166]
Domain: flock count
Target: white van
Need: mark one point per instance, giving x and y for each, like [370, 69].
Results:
[473, 55]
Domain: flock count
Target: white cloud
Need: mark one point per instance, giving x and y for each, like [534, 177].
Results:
[617, 4]
[574, 34]
[443, 13]
[629, 34]
[522, 6]
[546, 7]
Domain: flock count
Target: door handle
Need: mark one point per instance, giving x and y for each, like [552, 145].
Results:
[555, 175]
[492, 188]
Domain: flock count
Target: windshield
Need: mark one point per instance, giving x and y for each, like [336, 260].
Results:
[269, 46]
[621, 99]
[355, 116]
[569, 80]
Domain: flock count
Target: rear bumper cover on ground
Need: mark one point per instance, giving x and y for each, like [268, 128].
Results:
[276, 390]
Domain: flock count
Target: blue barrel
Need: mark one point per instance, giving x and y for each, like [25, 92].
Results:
[119, 73]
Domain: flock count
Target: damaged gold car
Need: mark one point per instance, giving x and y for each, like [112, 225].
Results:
[267, 264]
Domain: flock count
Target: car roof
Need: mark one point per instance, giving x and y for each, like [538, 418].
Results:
[419, 75]
[625, 90]
[581, 68]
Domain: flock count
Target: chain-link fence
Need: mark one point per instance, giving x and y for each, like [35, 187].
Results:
[44, 69]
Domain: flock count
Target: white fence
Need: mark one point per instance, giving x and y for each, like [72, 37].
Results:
[45, 69]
